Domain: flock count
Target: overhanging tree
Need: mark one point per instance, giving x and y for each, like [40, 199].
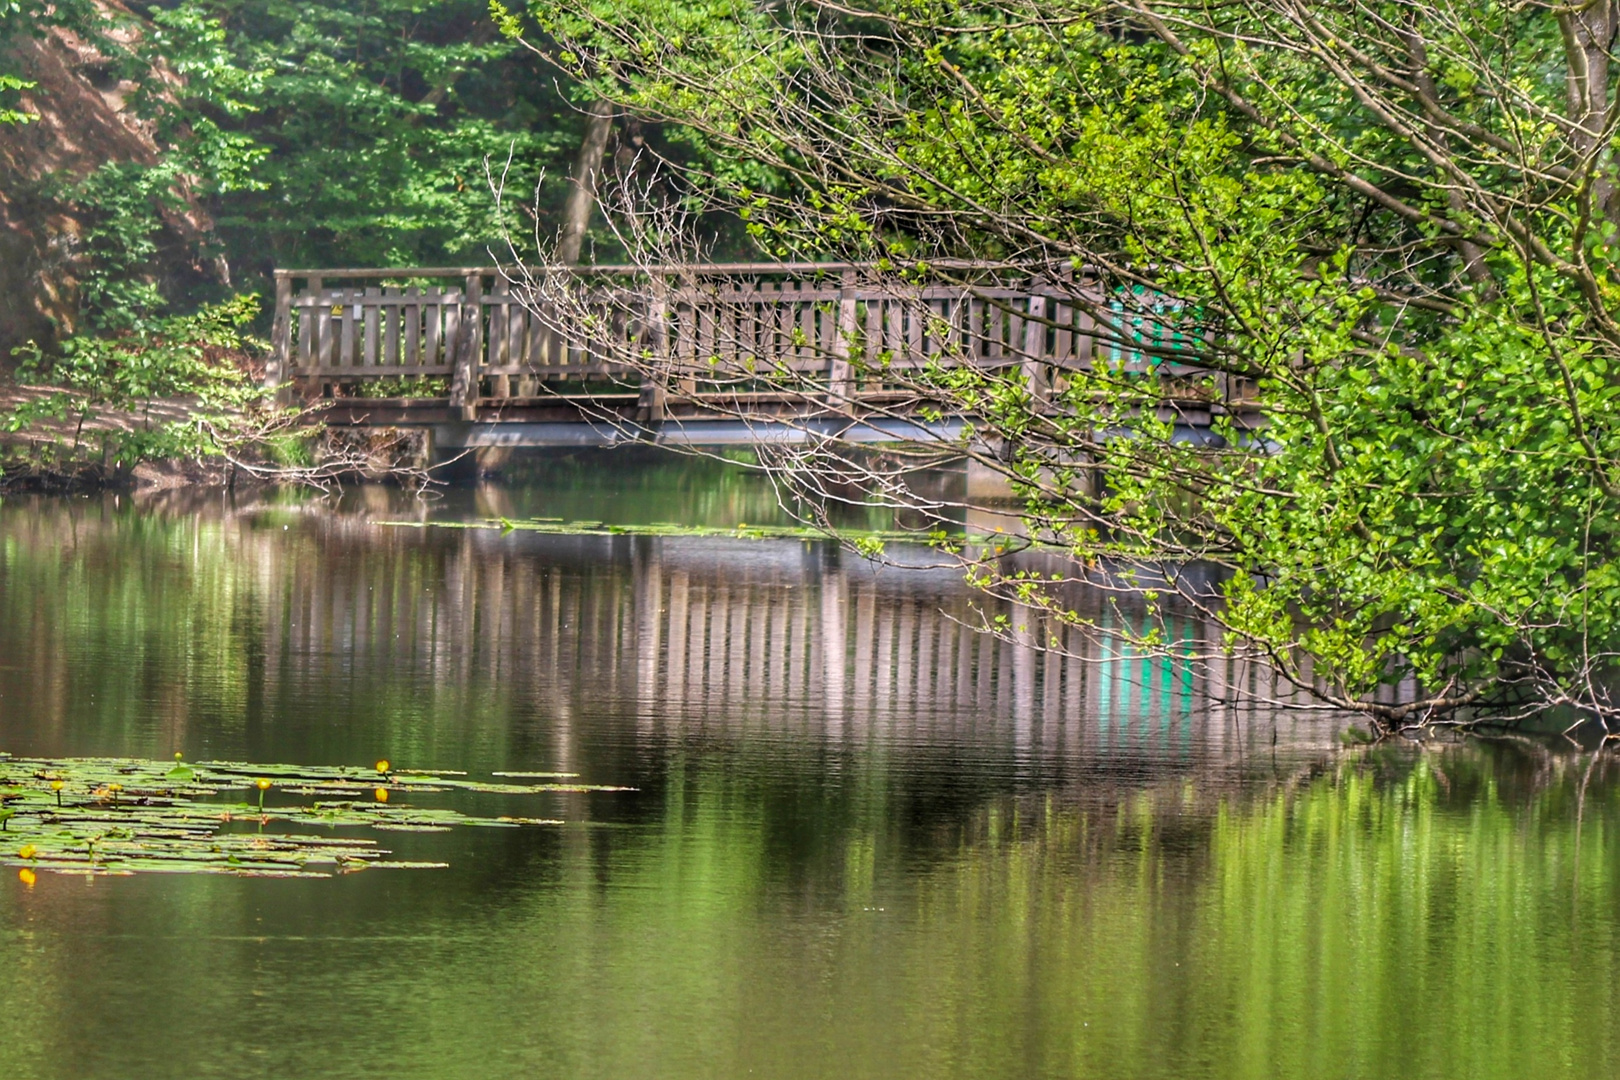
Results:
[1395, 222]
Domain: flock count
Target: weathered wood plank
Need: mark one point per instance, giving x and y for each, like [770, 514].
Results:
[324, 337]
[1063, 337]
[750, 326]
[840, 376]
[467, 375]
[517, 324]
[392, 316]
[1085, 340]
[805, 353]
[497, 351]
[686, 343]
[346, 313]
[872, 342]
[976, 344]
[432, 326]
[653, 405]
[706, 345]
[276, 371]
[306, 338]
[727, 345]
[411, 314]
[783, 319]
[540, 337]
[449, 323]
[1034, 348]
[369, 348]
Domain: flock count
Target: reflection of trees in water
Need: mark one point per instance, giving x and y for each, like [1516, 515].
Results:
[1396, 912]
[835, 743]
[1458, 891]
[255, 614]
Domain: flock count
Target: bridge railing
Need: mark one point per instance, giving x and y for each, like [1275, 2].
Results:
[843, 330]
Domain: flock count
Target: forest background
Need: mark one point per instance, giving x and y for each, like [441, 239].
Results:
[160, 158]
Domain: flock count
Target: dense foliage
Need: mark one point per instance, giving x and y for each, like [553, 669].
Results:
[288, 134]
[311, 134]
[1394, 223]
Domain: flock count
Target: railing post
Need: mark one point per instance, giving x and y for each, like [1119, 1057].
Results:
[469, 346]
[841, 377]
[276, 369]
[320, 328]
[1035, 346]
[686, 342]
[500, 337]
[654, 403]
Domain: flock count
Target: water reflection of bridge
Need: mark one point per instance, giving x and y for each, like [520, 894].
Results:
[711, 634]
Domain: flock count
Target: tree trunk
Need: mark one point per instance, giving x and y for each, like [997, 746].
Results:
[582, 199]
[1589, 31]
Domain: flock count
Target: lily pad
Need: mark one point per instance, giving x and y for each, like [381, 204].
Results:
[128, 815]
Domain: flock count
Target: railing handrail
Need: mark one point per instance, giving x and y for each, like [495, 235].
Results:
[701, 269]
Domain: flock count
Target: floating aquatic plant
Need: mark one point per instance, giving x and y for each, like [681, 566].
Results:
[558, 527]
[128, 815]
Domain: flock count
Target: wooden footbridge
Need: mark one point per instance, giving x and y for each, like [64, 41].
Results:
[699, 354]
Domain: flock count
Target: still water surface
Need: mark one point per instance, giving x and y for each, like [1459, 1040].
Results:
[866, 842]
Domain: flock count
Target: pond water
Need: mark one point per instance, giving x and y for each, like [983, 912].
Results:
[865, 841]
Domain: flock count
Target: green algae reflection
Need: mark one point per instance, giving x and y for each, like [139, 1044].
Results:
[128, 815]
